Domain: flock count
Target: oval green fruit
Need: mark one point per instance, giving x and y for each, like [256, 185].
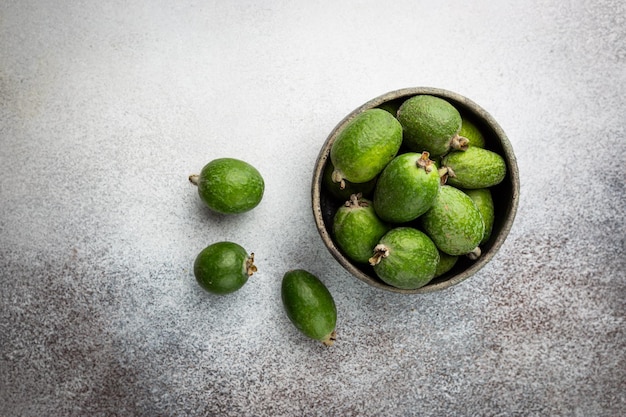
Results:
[229, 185]
[446, 263]
[484, 201]
[405, 258]
[406, 188]
[365, 145]
[454, 222]
[309, 305]
[343, 194]
[431, 124]
[474, 168]
[223, 267]
[357, 229]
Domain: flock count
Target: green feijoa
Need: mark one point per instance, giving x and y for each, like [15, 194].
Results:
[472, 133]
[343, 194]
[454, 222]
[229, 185]
[406, 188]
[357, 229]
[484, 201]
[309, 305]
[365, 145]
[405, 258]
[431, 124]
[474, 168]
[446, 263]
[223, 267]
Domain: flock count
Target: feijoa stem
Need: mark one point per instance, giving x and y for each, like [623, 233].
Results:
[355, 201]
[194, 178]
[337, 176]
[475, 254]
[459, 143]
[250, 267]
[329, 339]
[425, 162]
[380, 252]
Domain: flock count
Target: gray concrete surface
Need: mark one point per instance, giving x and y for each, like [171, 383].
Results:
[105, 109]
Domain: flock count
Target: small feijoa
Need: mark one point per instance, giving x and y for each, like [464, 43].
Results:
[405, 258]
[229, 185]
[309, 305]
[454, 222]
[357, 228]
[365, 145]
[446, 263]
[406, 188]
[431, 124]
[484, 201]
[223, 267]
[474, 168]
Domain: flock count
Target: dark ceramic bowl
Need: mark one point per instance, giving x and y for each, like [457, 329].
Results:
[505, 194]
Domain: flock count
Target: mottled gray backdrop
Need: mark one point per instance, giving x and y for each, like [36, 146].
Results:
[107, 106]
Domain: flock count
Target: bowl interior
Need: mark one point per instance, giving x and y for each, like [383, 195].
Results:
[505, 195]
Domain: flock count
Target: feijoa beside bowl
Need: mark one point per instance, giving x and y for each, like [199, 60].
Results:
[505, 195]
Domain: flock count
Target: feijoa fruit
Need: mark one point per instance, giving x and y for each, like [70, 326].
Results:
[406, 188]
[357, 228]
[365, 145]
[474, 168]
[309, 305]
[431, 124]
[405, 258]
[454, 222]
[223, 267]
[229, 185]
[484, 201]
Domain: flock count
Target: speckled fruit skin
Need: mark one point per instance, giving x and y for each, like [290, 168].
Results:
[309, 305]
[429, 123]
[357, 229]
[453, 222]
[470, 131]
[221, 268]
[230, 186]
[484, 201]
[474, 168]
[412, 259]
[404, 190]
[366, 145]
[446, 263]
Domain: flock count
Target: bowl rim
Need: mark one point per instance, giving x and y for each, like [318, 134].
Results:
[512, 171]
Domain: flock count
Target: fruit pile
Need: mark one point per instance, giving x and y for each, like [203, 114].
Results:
[416, 182]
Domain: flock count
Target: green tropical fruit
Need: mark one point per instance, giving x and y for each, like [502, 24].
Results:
[406, 188]
[405, 258]
[223, 267]
[472, 133]
[357, 229]
[474, 168]
[431, 124]
[454, 222]
[484, 201]
[309, 305]
[365, 146]
[446, 263]
[229, 186]
[343, 194]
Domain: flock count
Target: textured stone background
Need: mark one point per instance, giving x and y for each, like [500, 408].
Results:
[107, 106]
